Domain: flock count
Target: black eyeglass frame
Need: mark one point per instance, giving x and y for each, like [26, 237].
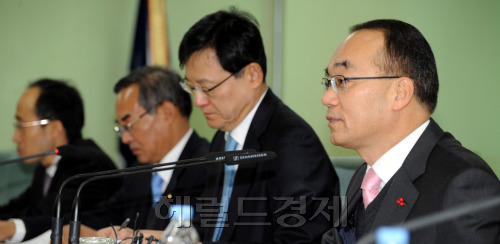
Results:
[206, 91]
[120, 129]
[327, 83]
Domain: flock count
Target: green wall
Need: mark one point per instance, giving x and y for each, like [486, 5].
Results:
[89, 43]
[465, 38]
[85, 42]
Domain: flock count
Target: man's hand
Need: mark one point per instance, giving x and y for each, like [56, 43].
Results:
[127, 233]
[7, 230]
[121, 235]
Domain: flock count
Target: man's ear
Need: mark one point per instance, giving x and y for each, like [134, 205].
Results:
[404, 93]
[254, 72]
[56, 130]
[166, 111]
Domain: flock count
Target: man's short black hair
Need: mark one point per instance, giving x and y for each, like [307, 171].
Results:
[233, 34]
[59, 101]
[407, 53]
[157, 84]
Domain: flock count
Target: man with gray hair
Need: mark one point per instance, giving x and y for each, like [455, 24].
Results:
[152, 116]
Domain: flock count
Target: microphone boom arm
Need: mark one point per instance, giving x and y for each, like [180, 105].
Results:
[230, 157]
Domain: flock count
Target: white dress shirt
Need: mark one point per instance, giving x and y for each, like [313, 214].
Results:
[387, 165]
[172, 156]
[239, 133]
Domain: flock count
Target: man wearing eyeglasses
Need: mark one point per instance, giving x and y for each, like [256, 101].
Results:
[152, 116]
[381, 89]
[49, 115]
[268, 202]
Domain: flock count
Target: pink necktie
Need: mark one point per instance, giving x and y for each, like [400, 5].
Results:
[370, 186]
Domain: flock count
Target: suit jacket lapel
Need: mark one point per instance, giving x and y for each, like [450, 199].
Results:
[37, 186]
[402, 182]
[246, 174]
[352, 189]
[352, 197]
[216, 174]
[213, 187]
[356, 180]
[191, 147]
[391, 212]
[187, 153]
[261, 119]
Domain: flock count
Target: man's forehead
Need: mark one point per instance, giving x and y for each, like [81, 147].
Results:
[128, 92]
[363, 42]
[27, 103]
[127, 101]
[31, 95]
[359, 47]
[202, 65]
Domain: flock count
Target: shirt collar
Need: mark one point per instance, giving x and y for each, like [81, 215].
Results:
[387, 165]
[51, 170]
[174, 155]
[239, 134]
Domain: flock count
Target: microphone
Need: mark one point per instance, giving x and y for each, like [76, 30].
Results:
[442, 216]
[230, 157]
[55, 151]
[61, 150]
[57, 220]
[237, 157]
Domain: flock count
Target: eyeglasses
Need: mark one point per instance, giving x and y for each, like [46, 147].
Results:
[205, 91]
[340, 82]
[32, 123]
[120, 129]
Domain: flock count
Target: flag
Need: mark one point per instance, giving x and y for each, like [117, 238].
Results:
[151, 36]
[150, 46]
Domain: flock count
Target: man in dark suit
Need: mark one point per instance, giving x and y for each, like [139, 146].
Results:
[381, 89]
[277, 201]
[49, 115]
[152, 114]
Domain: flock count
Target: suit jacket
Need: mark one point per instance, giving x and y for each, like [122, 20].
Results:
[135, 195]
[276, 201]
[36, 210]
[438, 174]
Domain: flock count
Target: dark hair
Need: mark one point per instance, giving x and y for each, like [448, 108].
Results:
[59, 101]
[233, 35]
[157, 84]
[407, 53]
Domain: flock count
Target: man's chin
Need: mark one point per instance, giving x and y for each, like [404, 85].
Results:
[141, 160]
[335, 140]
[214, 124]
[32, 160]
[144, 160]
